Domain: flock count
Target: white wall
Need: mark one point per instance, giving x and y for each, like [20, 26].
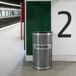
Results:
[64, 49]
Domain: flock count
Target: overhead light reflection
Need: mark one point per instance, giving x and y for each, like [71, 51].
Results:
[9, 4]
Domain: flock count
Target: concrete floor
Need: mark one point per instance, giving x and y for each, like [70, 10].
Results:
[12, 58]
[58, 69]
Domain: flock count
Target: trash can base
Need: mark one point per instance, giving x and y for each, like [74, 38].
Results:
[44, 68]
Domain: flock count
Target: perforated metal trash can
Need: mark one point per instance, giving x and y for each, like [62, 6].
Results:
[42, 50]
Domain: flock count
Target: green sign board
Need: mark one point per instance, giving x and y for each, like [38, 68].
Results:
[38, 18]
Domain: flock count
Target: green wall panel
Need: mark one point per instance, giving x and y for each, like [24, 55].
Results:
[38, 18]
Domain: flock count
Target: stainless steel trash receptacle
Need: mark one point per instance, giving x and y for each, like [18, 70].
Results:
[42, 50]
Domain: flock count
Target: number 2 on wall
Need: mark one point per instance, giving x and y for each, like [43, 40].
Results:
[66, 25]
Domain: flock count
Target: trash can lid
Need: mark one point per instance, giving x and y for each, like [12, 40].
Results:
[42, 32]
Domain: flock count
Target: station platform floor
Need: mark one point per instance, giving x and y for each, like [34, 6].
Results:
[11, 48]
